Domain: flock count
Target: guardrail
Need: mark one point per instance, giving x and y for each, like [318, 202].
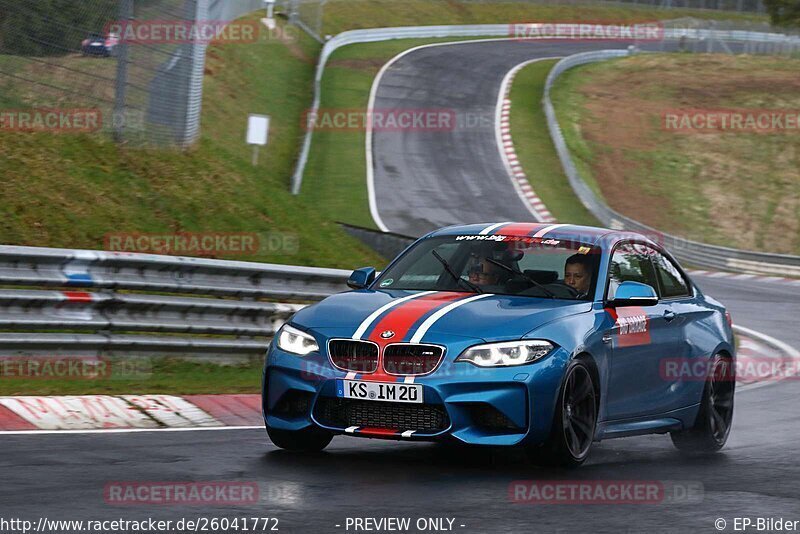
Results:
[690, 252]
[752, 38]
[109, 302]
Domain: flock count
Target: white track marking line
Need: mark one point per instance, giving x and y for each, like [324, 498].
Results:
[126, 430]
[509, 158]
[374, 315]
[373, 204]
[429, 322]
[788, 350]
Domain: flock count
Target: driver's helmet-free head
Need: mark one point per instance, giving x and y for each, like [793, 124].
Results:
[484, 272]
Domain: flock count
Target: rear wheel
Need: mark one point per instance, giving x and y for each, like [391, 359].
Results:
[713, 424]
[574, 422]
[307, 440]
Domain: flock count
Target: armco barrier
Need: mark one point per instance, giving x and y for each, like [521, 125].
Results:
[689, 252]
[109, 302]
[683, 30]
[692, 253]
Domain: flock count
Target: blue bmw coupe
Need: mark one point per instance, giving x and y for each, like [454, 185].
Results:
[544, 337]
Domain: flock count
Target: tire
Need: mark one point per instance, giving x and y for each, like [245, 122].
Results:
[711, 429]
[574, 420]
[307, 440]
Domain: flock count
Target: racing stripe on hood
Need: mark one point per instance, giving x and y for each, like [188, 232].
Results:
[362, 328]
[430, 321]
[400, 320]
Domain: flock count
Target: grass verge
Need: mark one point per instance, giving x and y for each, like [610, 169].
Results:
[732, 188]
[72, 190]
[535, 149]
[341, 15]
[166, 376]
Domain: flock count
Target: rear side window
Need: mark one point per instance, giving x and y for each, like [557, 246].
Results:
[673, 284]
[631, 262]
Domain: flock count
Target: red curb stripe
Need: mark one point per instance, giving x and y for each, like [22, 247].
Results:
[231, 410]
[11, 421]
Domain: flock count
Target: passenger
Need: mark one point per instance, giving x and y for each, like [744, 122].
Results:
[578, 274]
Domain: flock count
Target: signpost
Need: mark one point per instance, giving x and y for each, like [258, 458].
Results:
[257, 133]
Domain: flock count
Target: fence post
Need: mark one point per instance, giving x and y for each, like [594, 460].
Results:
[121, 89]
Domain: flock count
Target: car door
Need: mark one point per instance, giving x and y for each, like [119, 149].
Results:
[638, 339]
[686, 335]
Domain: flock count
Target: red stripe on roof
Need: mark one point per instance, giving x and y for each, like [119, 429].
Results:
[519, 229]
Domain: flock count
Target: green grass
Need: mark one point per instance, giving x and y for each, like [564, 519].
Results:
[71, 190]
[335, 178]
[160, 375]
[341, 15]
[535, 149]
[734, 189]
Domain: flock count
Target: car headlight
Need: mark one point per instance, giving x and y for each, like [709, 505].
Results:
[506, 354]
[293, 340]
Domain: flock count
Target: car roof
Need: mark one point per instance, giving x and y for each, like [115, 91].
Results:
[589, 235]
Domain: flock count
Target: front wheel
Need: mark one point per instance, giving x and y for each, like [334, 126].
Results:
[713, 424]
[307, 440]
[575, 420]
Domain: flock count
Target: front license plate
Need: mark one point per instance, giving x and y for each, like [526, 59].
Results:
[379, 391]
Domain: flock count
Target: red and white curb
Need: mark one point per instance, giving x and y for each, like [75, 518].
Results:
[145, 412]
[509, 155]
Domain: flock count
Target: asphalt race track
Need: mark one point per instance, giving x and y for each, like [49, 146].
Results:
[62, 477]
[460, 179]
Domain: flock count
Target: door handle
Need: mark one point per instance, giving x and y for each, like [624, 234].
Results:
[607, 337]
[670, 315]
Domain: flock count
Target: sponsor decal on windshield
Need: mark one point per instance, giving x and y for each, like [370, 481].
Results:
[509, 239]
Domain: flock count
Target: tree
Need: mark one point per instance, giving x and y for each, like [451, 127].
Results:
[784, 12]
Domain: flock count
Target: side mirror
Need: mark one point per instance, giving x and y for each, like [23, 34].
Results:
[361, 278]
[634, 294]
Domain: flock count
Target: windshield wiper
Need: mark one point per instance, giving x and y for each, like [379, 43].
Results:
[525, 276]
[455, 276]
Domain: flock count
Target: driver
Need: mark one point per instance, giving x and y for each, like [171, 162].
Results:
[484, 273]
[578, 274]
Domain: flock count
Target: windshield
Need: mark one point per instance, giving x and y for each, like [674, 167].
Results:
[503, 265]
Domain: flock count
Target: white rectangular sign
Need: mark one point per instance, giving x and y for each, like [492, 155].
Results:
[258, 130]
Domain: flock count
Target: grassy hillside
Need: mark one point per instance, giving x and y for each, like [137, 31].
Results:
[340, 15]
[535, 150]
[71, 190]
[731, 188]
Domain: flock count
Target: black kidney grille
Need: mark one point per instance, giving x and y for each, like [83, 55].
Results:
[343, 413]
[411, 359]
[352, 355]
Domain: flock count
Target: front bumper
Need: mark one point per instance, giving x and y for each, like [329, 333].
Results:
[479, 406]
